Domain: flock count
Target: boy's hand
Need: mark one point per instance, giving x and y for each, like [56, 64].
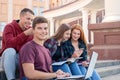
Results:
[61, 74]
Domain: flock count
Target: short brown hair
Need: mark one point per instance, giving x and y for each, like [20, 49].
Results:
[25, 10]
[39, 19]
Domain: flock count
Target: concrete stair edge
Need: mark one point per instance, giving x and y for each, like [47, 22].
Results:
[105, 63]
[109, 70]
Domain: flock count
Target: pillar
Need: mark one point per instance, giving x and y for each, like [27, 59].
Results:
[93, 16]
[57, 24]
[112, 11]
[10, 10]
[85, 23]
[93, 21]
[47, 4]
[29, 4]
[51, 26]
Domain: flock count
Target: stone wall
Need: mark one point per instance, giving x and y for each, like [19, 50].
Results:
[106, 40]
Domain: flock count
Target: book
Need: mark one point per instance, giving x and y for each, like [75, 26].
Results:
[71, 60]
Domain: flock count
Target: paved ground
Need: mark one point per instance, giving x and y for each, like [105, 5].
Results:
[113, 77]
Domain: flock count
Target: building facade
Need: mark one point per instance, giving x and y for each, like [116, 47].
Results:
[100, 20]
[10, 10]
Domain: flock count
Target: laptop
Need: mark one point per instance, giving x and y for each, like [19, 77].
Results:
[89, 70]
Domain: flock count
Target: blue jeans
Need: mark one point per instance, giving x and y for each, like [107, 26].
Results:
[95, 75]
[24, 78]
[10, 61]
[63, 67]
[72, 69]
[76, 69]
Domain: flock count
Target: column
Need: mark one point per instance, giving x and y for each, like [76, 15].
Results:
[85, 23]
[57, 24]
[112, 11]
[29, 4]
[93, 21]
[47, 4]
[93, 16]
[51, 26]
[10, 10]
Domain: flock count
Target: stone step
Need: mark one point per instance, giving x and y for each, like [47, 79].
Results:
[108, 71]
[105, 68]
[105, 63]
[2, 75]
[112, 77]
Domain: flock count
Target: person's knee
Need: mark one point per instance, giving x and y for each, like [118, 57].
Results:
[9, 52]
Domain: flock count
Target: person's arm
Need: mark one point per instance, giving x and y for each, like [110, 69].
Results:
[77, 53]
[67, 50]
[11, 39]
[31, 73]
[84, 54]
[51, 45]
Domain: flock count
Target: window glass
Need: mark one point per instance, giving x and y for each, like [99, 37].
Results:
[2, 26]
[35, 9]
[41, 10]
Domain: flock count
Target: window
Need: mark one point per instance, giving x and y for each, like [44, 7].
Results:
[41, 0]
[38, 11]
[41, 10]
[2, 25]
[35, 10]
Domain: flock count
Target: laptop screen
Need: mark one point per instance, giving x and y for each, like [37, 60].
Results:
[89, 70]
[91, 65]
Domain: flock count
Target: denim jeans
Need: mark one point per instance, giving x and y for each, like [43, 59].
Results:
[95, 75]
[76, 69]
[63, 67]
[10, 61]
[72, 68]
[24, 78]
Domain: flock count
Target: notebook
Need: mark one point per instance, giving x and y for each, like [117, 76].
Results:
[67, 61]
[89, 70]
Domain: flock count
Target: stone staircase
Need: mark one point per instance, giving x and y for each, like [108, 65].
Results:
[108, 68]
[105, 68]
[2, 74]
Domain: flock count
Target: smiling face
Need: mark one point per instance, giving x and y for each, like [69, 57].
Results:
[66, 35]
[26, 20]
[40, 31]
[75, 34]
